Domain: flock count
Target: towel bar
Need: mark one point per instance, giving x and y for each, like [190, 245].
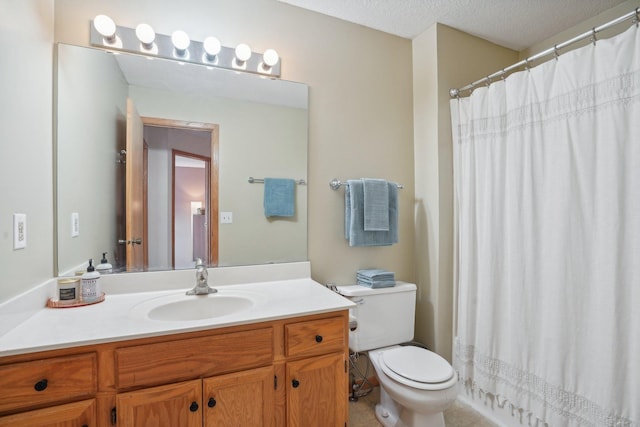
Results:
[253, 180]
[336, 183]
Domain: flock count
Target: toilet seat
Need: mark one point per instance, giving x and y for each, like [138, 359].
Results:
[417, 367]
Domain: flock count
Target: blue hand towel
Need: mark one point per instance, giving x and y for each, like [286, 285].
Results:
[354, 217]
[279, 197]
[376, 204]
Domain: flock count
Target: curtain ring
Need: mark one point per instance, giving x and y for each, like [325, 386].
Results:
[502, 73]
[555, 51]
[636, 20]
[526, 64]
[593, 36]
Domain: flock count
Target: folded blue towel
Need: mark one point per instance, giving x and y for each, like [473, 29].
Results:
[376, 278]
[354, 230]
[279, 197]
[376, 285]
[375, 274]
[376, 204]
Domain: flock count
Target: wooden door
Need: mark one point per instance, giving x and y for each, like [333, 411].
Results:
[134, 204]
[171, 405]
[70, 415]
[240, 399]
[317, 392]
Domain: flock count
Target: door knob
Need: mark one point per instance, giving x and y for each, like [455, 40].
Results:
[137, 241]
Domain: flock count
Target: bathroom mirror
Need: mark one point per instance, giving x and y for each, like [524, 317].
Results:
[202, 134]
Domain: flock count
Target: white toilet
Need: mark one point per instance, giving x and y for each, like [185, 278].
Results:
[416, 385]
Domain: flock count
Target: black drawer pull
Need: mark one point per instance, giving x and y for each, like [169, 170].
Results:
[318, 338]
[194, 406]
[212, 402]
[295, 383]
[41, 385]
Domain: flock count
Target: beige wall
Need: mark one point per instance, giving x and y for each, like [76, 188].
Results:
[26, 33]
[443, 58]
[585, 26]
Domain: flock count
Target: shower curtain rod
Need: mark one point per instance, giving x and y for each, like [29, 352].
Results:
[635, 14]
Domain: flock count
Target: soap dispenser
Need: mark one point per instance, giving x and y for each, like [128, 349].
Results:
[104, 267]
[90, 284]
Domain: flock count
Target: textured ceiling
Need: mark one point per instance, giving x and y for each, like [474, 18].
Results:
[516, 24]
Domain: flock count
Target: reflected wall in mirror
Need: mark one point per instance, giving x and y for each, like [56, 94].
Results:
[236, 125]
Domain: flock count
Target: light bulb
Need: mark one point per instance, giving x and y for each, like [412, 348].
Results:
[270, 57]
[243, 52]
[105, 26]
[145, 34]
[212, 46]
[180, 40]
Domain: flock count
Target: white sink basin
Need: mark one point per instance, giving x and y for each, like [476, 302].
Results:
[181, 307]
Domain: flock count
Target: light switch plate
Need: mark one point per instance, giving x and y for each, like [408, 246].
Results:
[75, 224]
[19, 231]
[226, 217]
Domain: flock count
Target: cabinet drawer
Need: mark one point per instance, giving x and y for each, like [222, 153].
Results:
[170, 361]
[47, 381]
[315, 337]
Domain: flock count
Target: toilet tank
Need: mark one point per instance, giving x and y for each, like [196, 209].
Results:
[383, 316]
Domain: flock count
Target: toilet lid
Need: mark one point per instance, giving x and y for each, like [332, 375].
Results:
[418, 364]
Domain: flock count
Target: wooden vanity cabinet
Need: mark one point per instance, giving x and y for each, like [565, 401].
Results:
[288, 372]
[316, 388]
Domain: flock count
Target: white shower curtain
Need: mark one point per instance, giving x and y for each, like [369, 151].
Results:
[547, 175]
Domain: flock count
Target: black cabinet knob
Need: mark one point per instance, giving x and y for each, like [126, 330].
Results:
[318, 338]
[211, 403]
[295, 383]
[194, 406]
[41, 385]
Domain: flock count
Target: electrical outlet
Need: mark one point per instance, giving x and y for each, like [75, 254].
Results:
[226, 217]
[19, 231]
[75, 224]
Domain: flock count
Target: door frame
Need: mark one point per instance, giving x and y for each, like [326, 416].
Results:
[212, 219]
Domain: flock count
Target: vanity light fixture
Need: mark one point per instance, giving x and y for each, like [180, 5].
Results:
[105, 27]
[143, 40]
[243, 53]
[212, 48]
[269, 59]
[146, 35]
[181, 42]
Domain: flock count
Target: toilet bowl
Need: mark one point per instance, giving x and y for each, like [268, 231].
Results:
[416, 386]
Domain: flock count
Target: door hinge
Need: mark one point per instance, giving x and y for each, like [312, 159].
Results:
[113, 416]
[275, 382]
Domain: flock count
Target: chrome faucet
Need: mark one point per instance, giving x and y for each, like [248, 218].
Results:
[201, 287]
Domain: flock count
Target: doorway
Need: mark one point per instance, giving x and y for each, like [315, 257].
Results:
[182, 193]
[190, 204]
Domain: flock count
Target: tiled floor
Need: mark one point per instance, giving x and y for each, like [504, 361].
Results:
[361, 414]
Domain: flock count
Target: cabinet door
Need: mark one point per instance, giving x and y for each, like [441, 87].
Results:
[317, 391]
[164, 406]
[240, 399]
[69, 415]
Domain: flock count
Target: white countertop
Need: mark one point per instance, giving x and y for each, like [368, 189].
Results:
[118, 317]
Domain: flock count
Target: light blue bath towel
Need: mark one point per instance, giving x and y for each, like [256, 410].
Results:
[279, 197]
[376, 204]
[354, 230]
